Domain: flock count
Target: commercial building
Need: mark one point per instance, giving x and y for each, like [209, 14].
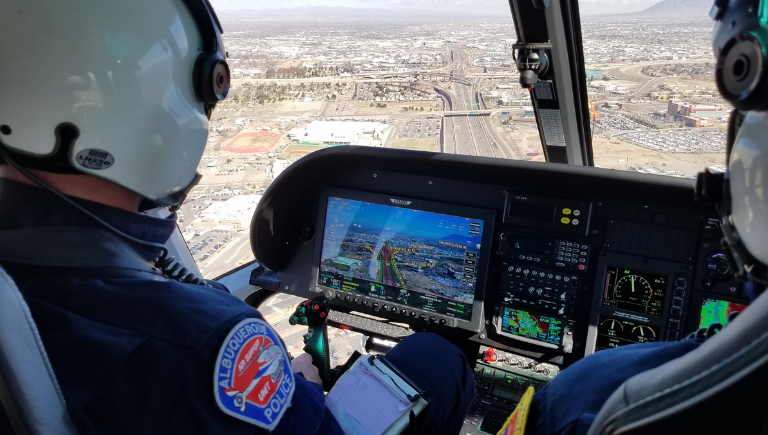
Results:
[594, 74]
[676, 106]
[614, 105]
[232, 214]
[339, 133]
[692, 121]
[278, 166]
[696, 115]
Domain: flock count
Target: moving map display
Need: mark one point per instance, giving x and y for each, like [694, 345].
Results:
[545, 328]
[717, 311]
[630, 290]
[416, 258]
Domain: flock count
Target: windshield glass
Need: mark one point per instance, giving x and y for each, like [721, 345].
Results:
[397, 75]
[312, 77]
[650, 78]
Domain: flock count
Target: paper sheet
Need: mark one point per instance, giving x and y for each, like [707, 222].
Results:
[363, 404]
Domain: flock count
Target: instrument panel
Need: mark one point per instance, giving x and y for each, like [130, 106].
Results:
[547, 261]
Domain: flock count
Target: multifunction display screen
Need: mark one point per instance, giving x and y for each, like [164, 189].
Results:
[411, 257]
[619, 332]
[717, 311]
[639, 292]
[524, 323]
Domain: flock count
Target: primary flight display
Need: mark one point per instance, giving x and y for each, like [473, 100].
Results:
[411, 257]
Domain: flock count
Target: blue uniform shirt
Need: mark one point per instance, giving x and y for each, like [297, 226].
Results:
[570, 402]
[137, 354]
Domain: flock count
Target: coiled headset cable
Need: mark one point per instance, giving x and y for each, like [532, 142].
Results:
[168, 265]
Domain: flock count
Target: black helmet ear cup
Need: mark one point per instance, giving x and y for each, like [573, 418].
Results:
[212, 78]
[740, 73]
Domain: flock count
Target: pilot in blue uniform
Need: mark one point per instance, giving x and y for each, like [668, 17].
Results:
[135, 352]
[117, 121]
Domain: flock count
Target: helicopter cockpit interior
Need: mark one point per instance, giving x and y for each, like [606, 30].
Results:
[527, 267]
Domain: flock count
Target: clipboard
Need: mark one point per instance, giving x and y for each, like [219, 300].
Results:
[373, 397]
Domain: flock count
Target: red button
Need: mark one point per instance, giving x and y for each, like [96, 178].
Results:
[582, 267]
[316, 307]
[490, 355]
[322, 315]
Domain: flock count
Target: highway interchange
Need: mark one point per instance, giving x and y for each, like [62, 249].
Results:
[467, 134]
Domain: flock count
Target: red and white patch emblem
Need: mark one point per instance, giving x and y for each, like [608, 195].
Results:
[253, 377]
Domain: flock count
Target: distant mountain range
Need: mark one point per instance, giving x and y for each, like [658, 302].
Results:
[421, 11]
[415, 13]
[679, 7]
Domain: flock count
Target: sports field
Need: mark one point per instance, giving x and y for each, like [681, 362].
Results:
[417, 144]
[292, 151]
[253, 142]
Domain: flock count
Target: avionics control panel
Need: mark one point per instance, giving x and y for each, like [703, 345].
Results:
[552, 252]
[545, 261]
[536, 303]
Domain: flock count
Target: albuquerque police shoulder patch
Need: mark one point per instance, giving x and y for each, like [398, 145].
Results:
[253, 380]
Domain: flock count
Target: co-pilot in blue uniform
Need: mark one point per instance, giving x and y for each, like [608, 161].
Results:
[569, 404]
[136, 353]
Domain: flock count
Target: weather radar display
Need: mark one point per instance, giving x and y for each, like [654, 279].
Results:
[411, 257]
[526, 324]
[717, 311]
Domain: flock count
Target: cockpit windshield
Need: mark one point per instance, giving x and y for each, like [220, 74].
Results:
[650, 78]
[405, 75]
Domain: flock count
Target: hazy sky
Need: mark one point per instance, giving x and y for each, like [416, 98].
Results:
[587, 7]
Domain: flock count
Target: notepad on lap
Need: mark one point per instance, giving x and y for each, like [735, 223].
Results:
[372, 398]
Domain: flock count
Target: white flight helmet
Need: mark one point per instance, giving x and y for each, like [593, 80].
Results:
[741, 48]
[118, 89]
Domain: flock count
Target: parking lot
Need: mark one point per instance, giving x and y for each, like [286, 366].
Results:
[419, 128]
[692, 141]
[204, 244]
[619, 122]
[207, 246]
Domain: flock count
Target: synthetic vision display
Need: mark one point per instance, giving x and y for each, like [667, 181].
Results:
[417, 258]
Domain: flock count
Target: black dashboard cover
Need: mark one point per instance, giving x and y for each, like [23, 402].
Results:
[280, 209]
